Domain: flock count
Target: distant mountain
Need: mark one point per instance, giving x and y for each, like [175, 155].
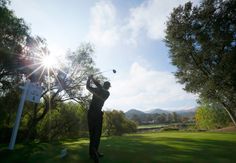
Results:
[132, 112]
[157, 111]
[189, 112]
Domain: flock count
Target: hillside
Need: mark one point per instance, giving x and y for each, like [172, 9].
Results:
[158, 116]
[132, 112]
[157, 111]
[186, 113]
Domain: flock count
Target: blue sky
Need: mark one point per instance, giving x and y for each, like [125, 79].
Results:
[127, 36]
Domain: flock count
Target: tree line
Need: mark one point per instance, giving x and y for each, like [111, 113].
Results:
[163, 118]
[69, 120]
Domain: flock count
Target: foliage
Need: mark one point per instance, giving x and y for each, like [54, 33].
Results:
[67, 121]
[202, 42]
[14, 36]
[8, 105]
[15, 50]
[210, 116]
[115, 123]
[159, 118]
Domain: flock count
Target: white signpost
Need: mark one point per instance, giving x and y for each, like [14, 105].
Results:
[34, 93]
[31, 92]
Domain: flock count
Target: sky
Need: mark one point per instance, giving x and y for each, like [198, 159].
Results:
[127, 35]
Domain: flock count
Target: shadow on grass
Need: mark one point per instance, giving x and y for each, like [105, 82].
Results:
[165, 149]
[128, 149]
[32, 152]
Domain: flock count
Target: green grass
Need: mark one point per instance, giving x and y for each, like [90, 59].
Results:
[133, 148]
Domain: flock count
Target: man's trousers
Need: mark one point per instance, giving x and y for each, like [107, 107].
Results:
[95, 129]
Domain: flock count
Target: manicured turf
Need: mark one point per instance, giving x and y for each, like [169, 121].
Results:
[134, 148]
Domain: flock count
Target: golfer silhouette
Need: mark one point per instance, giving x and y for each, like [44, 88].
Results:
[95, 115]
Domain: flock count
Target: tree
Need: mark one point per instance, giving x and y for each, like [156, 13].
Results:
[202, 43]
[210, 116]
[170, 117]
[8, 105]
[162, 118]
[67, 121]
[63, 84]
[115, 123]
[175, 117]
[14, 37]
[136, 118]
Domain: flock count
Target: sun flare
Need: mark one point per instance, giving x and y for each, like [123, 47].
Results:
[49, 61]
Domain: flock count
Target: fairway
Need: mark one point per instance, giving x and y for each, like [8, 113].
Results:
[148, 147]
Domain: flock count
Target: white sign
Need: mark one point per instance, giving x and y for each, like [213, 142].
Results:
[34, 93]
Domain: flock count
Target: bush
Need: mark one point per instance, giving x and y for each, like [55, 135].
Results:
[68, 121]
[115, 123]
[211, 117]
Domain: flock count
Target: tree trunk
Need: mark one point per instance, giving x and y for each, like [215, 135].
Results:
[231, 115]
[228, 110]
[32, 130]
[37, 118]
[32, 126]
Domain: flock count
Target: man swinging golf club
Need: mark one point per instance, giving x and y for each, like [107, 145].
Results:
[95, 115]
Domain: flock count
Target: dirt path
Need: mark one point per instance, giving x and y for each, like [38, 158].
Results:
[227, 129]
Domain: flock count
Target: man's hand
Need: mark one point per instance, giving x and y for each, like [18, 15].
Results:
[90, 77]
[95, 81]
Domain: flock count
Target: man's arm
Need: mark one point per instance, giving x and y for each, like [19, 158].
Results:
[94, 90]
[91, 89]
[96, 83]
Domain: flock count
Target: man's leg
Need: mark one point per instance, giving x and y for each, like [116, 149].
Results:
[91, 142]
[98, 132]
[91, 127]
[92, 145]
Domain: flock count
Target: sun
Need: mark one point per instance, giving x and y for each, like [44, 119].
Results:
[49, 61]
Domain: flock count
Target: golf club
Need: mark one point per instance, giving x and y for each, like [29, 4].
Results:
[113, 70]
[62, 75]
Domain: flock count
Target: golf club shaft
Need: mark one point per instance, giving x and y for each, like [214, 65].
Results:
[102, 72]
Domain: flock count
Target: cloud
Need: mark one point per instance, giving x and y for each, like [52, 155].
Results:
[148, 18]
[103, 30]
[145, 88]
[151, 16]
